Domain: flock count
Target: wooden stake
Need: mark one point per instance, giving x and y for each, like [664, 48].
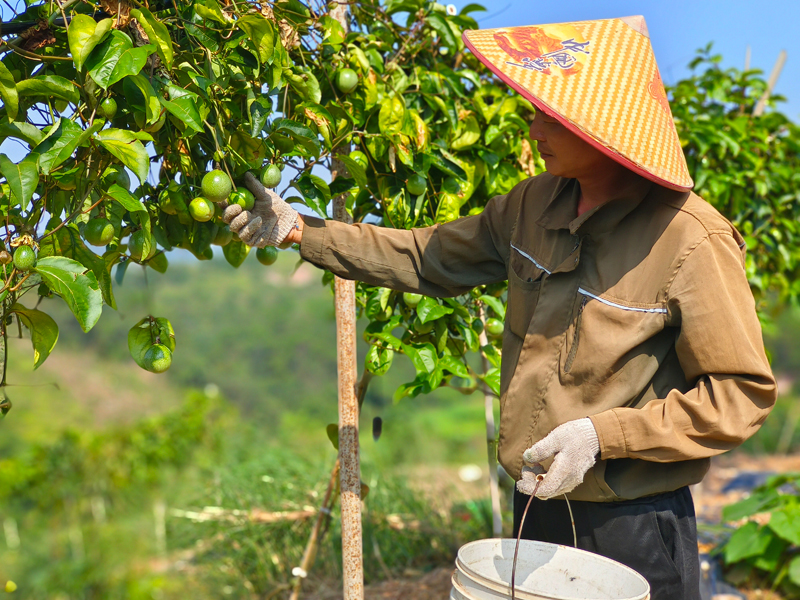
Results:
[350, 468]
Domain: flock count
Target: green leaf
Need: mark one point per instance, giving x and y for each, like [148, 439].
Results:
[358, 172]
[439, 24]
[185, 108]
[749, 540]
[429, 309]
[492, 355]
[83, 34]
[423, 356]
[22, 178]
[315, 191]
[152, 105]
[251, 149]
[496, 304]
[262, 33]
[392, 115]
[470, 8]
[125, 146]
[67, 242]
[235, 252]
[259, 111]
[139, 340]
[770, 559]
[59, 145]
[334, 32]
[321, 119]
[28, 133]
[207, 41]
[492, 379]
[156, 32]
[332, 430]
[8, 91]
[794, 570]
[128, 201]
[455, 366]
[49, 86]
[209, 9]
[304, 83]
[117, 58]
[412, 389]
[76, 285]
[44, 331]
[758, 501]
[786, 523]
[410, 6]
[467, 134]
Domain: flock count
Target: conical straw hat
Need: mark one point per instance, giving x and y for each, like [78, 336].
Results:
[599, 79]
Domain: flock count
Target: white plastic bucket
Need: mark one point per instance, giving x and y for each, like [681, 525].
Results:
[544, 572]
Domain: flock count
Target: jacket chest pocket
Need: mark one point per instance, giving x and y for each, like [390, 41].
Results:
[524, 281]
[604, 336]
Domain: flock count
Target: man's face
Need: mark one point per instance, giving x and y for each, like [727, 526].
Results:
[564, 153]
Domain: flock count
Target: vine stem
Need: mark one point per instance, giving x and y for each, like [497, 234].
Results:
[310, 552]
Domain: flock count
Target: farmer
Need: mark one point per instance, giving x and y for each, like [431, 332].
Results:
[632, 352]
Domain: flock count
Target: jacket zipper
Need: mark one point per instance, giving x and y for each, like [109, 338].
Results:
[575, 338]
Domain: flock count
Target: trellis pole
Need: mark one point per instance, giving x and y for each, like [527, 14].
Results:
[350, 469]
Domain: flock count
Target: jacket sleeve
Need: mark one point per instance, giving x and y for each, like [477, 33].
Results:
[442, 260]
[721, 351]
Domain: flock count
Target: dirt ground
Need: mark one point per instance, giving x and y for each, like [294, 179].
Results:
[434, 585]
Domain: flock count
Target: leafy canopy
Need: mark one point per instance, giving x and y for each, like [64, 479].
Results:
[427, 135]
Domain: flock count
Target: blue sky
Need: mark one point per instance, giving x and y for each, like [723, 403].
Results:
[679, 27]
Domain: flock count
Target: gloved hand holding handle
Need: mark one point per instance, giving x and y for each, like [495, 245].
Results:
[270, 222]
[574, 446]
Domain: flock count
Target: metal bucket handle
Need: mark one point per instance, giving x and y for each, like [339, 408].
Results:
[539, 479]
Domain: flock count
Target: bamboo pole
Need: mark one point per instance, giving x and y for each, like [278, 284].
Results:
[773, 79]
[488, 402]
[349, 467]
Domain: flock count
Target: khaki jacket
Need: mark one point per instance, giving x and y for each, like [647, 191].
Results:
[637, 314]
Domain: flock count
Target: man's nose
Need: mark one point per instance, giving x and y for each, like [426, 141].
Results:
[535, 132]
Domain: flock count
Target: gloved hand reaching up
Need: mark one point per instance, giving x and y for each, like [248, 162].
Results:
[268, 223]
[574, 445]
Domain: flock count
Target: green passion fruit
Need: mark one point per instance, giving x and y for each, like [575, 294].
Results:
[346, 80]
[416, 185]
[24, 258]
[99, 231]
[223, 236]
[243, 197]
[136, 246]
[157, 358]
[411, 299]
[494, 327]
[267, 255]
[107, 108]
[271, 176]
[216, 185]
[202, 209]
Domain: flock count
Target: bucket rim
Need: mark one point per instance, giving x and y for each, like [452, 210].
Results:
[501, 586]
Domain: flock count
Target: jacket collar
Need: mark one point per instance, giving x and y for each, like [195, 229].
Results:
[560, 212]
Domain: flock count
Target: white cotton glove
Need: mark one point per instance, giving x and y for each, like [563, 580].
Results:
[574, 446]
[268, 223]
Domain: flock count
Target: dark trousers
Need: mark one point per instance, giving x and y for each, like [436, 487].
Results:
[656, 536]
